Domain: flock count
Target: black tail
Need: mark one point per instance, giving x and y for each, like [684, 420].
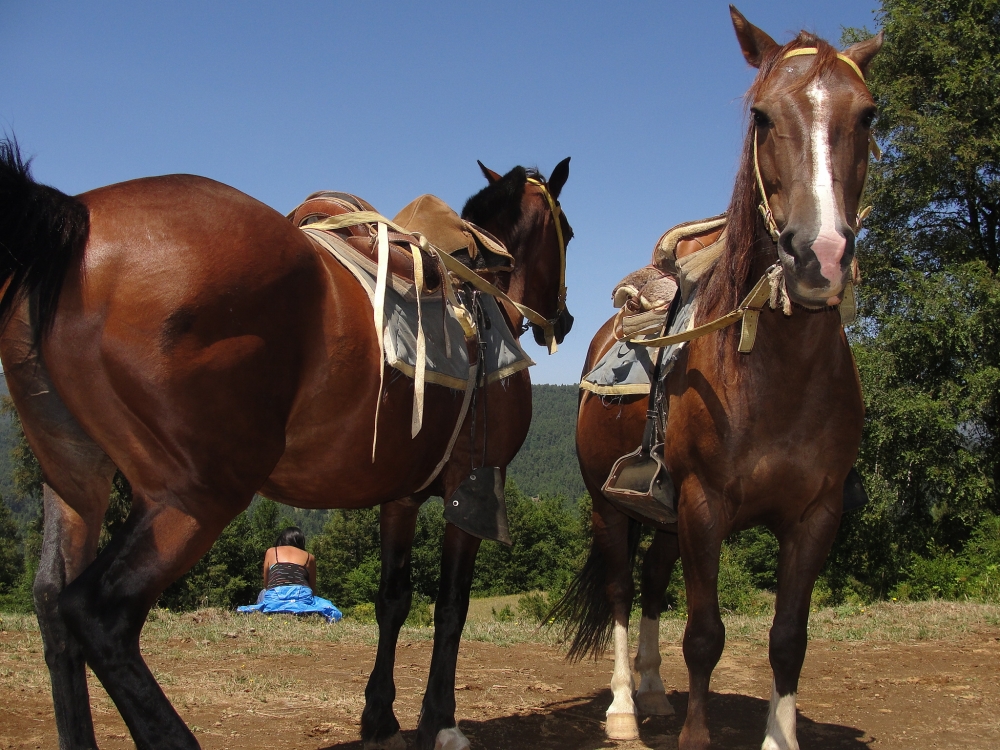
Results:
[40, 228]
[584, 608]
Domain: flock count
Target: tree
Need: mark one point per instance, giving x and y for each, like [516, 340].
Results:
[11, 557]
[928, 342]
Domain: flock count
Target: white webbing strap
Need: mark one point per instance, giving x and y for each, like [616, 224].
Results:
[381, 278]
[417, 418]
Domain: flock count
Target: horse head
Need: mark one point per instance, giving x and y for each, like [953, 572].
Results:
[809, 141]
[522, 209]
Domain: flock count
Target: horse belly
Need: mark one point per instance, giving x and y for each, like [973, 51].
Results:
[328, 460]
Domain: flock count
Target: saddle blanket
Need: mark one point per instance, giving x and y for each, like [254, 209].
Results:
[447, 355]
[627, 368]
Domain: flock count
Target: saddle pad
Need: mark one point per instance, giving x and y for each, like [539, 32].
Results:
[627, 367]
[447, 355]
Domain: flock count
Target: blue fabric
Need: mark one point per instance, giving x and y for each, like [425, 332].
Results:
[293, 600]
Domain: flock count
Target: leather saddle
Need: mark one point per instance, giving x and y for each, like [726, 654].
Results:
[363, 237]
[428, 215]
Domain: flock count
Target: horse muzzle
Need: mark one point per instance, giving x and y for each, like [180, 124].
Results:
[562, 326]
[817, 266]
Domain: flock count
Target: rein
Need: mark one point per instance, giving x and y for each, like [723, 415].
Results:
[548, 327]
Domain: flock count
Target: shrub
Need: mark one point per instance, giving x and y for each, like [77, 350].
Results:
[533, 607]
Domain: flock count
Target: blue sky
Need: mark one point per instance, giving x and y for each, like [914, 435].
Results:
[391, 100]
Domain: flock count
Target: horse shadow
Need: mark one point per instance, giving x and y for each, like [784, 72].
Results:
[737, 723]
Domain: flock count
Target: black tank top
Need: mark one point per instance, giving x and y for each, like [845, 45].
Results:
[286, 574]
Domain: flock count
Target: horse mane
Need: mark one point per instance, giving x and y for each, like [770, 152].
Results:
[499, 205]
[729, 281]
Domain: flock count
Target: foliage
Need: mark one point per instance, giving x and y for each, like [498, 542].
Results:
[548, 548]
[928, 343]
[11, 556]
[546, 464]
[533, 607]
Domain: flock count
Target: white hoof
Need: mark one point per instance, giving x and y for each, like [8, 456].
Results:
[396, 742]
[622, 727]
[653, 704]
[451, 739]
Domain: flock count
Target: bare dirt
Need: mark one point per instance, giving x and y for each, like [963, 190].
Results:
[917, 693]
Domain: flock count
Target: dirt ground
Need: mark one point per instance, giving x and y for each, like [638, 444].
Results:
[236, 688]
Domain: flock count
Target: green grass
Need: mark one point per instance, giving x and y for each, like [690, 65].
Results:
[253, 635]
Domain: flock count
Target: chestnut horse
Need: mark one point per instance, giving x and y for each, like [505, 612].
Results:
[190, 336]
[765, 438]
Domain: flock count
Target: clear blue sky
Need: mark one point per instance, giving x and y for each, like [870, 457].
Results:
[391, 100]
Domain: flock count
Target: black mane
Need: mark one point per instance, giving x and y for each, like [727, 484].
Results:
[499, 203]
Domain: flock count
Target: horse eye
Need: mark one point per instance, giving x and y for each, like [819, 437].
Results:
[867, 119]
[760, 119]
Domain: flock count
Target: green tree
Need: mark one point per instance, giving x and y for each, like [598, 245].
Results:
[11, 556]
[928, 342]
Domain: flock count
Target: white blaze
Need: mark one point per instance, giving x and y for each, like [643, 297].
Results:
[829, 244]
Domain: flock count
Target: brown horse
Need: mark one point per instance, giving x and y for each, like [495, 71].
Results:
[190, 336]
[765, 438]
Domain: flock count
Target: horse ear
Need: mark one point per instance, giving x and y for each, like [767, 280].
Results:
[754, 42]
[490, 175]
[559, 176]
[863, 52]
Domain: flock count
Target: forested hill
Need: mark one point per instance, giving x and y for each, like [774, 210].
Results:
[547, 462]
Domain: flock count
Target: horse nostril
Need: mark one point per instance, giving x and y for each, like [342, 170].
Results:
[787, 243]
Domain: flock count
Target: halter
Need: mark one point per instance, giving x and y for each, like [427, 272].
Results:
[873, 150]
[548, 327]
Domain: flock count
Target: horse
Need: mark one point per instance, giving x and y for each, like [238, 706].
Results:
[764, 438]
[178, 330]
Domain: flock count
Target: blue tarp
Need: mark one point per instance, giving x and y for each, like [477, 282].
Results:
[296, 600]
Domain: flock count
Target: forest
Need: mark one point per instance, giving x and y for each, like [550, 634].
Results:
[927, 347]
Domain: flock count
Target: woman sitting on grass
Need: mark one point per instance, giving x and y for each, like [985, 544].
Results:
[290, 579]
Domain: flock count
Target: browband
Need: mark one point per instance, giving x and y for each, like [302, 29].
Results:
[814, 51]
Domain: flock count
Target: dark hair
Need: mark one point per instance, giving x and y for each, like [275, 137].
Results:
[291, 537]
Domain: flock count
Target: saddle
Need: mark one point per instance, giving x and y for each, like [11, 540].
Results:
[639, 482]
[644, 296]
[428, 215]
[363, 237]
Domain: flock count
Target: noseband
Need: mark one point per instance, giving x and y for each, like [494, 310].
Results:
[873, 150]
[548, 326]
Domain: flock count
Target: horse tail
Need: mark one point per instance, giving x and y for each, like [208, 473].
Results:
[585, 609]
[40, 228]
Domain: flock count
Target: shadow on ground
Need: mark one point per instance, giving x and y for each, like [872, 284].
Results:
[737, 723]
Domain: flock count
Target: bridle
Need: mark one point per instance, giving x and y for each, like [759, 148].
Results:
[873, 151]
[548, 326]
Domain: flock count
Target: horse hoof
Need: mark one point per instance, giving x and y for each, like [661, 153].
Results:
[396, 742]
[622, 727]
[653, 704]
[451, 739]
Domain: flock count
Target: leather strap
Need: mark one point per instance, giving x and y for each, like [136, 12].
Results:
[748, 311]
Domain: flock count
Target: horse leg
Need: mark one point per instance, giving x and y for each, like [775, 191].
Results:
[76, 469]
[651, 698]
[705, 634]
[803, 549]
[615, 536]
[397, 522]
[106, 606]
[437, 728]
[69, 545]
